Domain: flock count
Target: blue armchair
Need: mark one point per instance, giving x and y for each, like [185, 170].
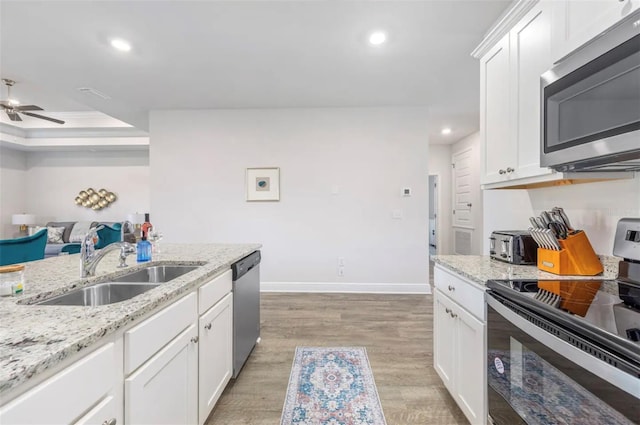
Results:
[20, 250]
[109, 234]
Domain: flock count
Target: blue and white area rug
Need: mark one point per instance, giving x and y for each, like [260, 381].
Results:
[332, 386]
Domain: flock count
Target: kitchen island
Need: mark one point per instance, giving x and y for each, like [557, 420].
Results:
[38, 340]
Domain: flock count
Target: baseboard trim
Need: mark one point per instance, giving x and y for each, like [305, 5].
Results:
[343, 287]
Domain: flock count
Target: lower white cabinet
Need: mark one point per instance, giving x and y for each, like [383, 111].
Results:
[215, 354]
[165, 389]
[459, 339]
[87, 392]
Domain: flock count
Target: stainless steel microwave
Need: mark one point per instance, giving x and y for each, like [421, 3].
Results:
[590, 116]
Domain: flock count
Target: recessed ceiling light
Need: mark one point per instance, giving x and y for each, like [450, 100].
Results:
[446, 131]
[377, 38]
[120, 44]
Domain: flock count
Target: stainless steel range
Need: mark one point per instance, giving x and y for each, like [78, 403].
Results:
[570, 357]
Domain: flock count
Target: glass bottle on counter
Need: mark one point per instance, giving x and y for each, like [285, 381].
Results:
[143, 250]
[146, 226]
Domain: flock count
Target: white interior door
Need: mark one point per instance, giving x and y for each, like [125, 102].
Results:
[463, 214]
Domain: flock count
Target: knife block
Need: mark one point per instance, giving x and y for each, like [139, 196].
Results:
[576, 295]
[576, 257]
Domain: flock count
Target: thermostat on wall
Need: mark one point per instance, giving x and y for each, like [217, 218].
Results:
[406, 191]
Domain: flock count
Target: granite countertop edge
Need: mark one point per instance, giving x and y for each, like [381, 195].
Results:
[481, 268]
[44, 336]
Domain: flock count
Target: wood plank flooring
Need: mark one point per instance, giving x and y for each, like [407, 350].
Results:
[397, 331]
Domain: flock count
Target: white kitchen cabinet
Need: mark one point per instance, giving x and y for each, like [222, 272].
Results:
[530, 56]
[87, 392]
[459, 339]
[215, 357]
[498, 149]
[575, 22]
[164, 390]
[510, 98]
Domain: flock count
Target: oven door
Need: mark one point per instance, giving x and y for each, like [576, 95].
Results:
[535, 378]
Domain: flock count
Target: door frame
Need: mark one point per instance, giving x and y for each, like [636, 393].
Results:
[438, 211]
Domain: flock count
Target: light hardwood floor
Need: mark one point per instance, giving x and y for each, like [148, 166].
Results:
[397, 331]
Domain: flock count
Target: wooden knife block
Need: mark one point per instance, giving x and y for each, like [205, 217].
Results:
[576, 257]
[576, 295]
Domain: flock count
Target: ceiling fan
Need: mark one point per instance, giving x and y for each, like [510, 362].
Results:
[12, 108]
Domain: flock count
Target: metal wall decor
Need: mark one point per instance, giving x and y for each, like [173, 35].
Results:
[96, 200]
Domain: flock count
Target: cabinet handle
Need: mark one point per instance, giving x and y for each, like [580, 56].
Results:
[195, 339]
[469, 204]
[111, 421]
[447, 310]
[207, 326]
[502, 172]
[510, 170]
[453, 315]
[451, 288]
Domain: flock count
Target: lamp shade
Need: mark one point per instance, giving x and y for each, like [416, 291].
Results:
[137, 218]
[23, 219]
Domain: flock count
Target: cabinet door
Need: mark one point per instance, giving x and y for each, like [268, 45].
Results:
[164, 389]
[444, 331]
[470, 366]
[498, 150]
[215, 355]
[578, 21]
[530, 57]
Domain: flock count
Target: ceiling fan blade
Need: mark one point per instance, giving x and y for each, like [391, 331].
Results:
[42, 117]
[28, 108]
[13, 116]
[5, 104]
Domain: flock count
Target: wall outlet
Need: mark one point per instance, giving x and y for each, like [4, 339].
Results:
[340, 261]
[406, 191]
[341, 271]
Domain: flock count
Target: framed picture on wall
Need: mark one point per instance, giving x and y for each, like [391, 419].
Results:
[263, 184]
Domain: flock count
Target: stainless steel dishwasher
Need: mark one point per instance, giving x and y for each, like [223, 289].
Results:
[246, 308]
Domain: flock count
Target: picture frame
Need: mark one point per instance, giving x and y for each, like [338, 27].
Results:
[263, 184]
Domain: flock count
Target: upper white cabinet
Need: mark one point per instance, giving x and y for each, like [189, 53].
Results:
[514, 55]
[499, 152]
[510, 98]
[575, 22]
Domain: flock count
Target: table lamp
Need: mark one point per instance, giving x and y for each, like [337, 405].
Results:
[136, 219]
[23, 220]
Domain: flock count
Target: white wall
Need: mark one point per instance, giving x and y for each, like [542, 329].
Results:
[13, 186]
[342, 171]
[55, 178]
[473, 142]
[594, 207]
[440, 165]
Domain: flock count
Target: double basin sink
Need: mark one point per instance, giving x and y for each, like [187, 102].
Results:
[121, 288]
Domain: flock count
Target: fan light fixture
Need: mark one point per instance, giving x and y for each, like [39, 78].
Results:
[120, 44]
[377, 38]
[13, 108]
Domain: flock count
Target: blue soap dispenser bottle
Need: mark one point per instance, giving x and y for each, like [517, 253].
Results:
[143, 249]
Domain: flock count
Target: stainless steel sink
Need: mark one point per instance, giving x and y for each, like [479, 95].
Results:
[121, 288]
[101, 294]
[155, 274]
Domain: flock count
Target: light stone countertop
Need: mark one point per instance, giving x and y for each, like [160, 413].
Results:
[36, 338]
[480, 268]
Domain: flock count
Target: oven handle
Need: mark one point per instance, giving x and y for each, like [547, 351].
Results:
[614, 376]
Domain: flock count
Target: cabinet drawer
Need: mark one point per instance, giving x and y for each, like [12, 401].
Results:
[146, 339]
[462, 292]
[105, 411]
[212, 292]
[64, 397]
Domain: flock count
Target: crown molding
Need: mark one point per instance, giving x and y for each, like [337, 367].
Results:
[516, 11]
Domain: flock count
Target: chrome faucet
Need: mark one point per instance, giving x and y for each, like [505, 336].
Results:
[89, 257]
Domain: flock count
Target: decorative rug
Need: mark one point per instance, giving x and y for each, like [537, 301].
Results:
[332, 386]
